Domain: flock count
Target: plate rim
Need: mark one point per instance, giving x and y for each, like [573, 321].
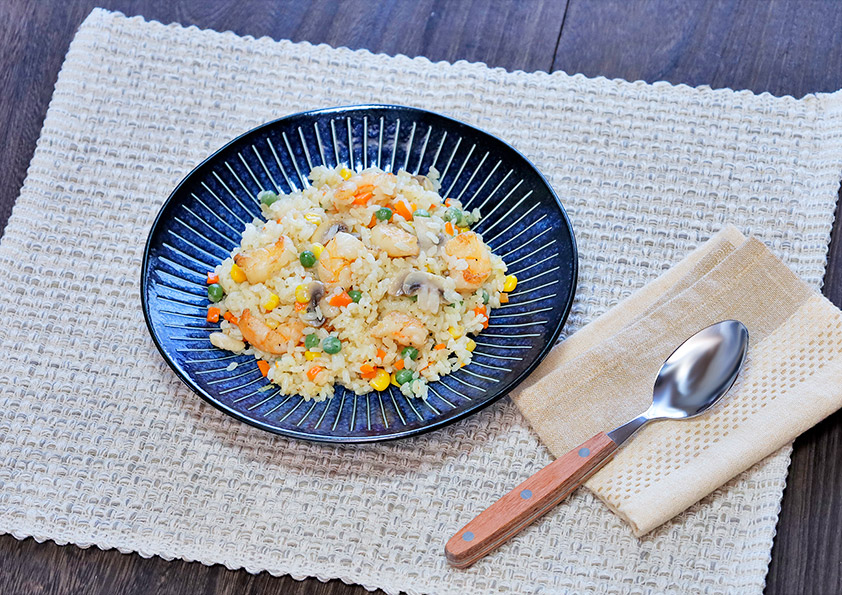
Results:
[435, 425]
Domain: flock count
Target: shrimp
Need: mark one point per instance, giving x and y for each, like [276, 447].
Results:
[468, 247]
[276, 342]
[337, 256]
[394, 240]
[223, 341]
[402, 328]
[261, 263]
[359, 187]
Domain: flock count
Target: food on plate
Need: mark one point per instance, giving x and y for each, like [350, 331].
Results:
[366, 279]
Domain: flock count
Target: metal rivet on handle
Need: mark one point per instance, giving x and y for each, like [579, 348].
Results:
[468, 536]
[583, 452]
[526, 494]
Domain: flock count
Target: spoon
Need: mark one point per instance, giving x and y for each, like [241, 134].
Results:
[697, 374]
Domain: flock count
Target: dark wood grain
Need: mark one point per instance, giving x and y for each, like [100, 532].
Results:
[785, 48]
[34, 36]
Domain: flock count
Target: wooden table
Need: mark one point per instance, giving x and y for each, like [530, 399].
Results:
[792, 48]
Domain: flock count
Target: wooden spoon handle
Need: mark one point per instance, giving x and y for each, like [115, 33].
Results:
[528, 501]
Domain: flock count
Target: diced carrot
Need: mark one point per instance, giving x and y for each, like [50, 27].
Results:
[362, 199]
[399, 364]
[299, 306]
[504, 298]
[448, 227]
[413, 206]
[373, 222]
[212, 278]
[482, 312]
[313, 372]
[448, 202]
[440, 346]
[213, 314]
[402, 209]
[231, 318]
[341, 300]
[264, 366]
[367, 371]
[381, 353]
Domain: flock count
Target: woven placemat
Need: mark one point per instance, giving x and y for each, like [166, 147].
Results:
[101, 444]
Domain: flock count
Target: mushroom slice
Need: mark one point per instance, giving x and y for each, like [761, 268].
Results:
[425, 182]
[328, 230]
[428, 287]
[313, 316]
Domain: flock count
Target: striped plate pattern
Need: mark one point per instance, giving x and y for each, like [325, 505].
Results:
[202, 220]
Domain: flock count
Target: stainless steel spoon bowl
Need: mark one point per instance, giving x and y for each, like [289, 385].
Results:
[691, 381]
[694, 377]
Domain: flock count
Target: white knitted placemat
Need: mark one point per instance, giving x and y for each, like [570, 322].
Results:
[101, 444]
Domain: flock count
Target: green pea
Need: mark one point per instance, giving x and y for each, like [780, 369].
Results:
[267, 197]
[485, 296]
[403, 376]
[307, 259]
[215, 292]
[383, 213]
[413, 298]
[331, 345]
[409, 352]
[452, 214]
[356, 295]
[311, 340]
[421, 213]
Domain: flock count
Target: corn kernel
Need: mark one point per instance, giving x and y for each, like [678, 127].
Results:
[272, 323]
[313, 218]
[393, 379]
[471, 345]
[380, 380]
[346, 173]
[454, 332]
[301, 294]
[510, 283]
[462, 229]
[271, 303]
[310, 355]
[237, 273]
[316, 249]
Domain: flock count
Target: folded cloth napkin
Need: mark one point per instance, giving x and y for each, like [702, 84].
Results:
[603, 375]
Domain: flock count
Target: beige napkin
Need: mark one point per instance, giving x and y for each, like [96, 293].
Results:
[602, 376]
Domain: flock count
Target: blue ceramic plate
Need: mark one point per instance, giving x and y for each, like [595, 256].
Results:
[201, 221]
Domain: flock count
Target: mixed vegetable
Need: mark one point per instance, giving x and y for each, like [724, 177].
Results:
[329, 260]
